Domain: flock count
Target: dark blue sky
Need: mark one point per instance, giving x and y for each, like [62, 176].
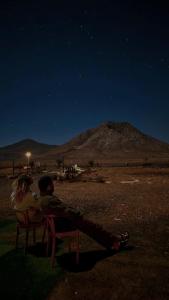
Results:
[66, 66]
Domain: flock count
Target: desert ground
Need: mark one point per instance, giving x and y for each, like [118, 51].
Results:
[132, 199]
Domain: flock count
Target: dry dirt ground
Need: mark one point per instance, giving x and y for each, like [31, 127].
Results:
[133, 199]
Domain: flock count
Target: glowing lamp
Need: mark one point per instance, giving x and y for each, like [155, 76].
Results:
[28, 155]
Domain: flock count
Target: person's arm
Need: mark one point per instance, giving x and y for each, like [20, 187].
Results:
[62, 207]
[13, 199]
[52, 204]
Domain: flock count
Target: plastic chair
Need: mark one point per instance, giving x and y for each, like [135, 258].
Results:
[28, 226]
[53, 234]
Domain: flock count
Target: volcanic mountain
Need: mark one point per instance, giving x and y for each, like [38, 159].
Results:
[112, 140]
[109, 141]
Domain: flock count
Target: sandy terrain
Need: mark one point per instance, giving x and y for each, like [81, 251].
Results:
[133, 199]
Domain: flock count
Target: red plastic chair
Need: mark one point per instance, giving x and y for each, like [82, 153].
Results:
[28, 226]
[53, 234]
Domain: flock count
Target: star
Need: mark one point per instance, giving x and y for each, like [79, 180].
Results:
[59, 83]
[80, 75]
[22, 28]
[99, 52]
[81, 27]
[42, 27]
[11, 124]
[148, 66]
[69, 43]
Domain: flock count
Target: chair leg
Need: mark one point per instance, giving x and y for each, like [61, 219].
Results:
[53, 252]
[26, 240]
[34, 236]
[44, 235]
[70, 246]
[17, 237]
[78, 249]
[47, 244]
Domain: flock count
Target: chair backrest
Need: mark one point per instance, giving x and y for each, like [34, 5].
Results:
[50, 223]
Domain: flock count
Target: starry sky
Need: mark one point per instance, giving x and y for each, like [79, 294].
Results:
[66, 66]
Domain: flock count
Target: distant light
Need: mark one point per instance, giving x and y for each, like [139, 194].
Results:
[28, 154]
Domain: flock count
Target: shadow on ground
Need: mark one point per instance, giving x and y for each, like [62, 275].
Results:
[22, 276]
[67, 261]
[87, 260]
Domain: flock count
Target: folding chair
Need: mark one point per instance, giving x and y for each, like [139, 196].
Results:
[53, 234]
[23, 223]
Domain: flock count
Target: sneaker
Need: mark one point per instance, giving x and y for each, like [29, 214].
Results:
[122, 242]
[124, 238]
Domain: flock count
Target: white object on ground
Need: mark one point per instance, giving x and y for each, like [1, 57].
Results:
[130, 181]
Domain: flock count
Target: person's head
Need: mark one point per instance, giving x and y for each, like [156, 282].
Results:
[24, 182]
[23, 186]
[46, 185]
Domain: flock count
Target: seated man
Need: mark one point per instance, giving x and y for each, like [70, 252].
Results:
[52, 204]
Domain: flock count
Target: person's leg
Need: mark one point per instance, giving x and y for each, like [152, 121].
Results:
[64, 224]
[95, 231]
[100, 235]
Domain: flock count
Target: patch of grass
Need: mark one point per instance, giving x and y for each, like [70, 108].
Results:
[24, 276]
[4, 248]
[8, 230]
[8, 225]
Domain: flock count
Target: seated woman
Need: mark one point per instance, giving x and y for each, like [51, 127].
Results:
[23, 199]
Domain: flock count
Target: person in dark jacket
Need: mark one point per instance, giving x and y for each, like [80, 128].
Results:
[72, 218]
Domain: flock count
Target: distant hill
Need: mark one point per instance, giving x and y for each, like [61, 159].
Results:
[109, 141]
[18, 150]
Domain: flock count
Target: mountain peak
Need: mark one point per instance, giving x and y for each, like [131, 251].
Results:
[121, 127]
[115, 137]
[111, 124]
[27, 141]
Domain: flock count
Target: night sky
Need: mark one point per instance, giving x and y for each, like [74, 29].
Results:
[66, 66]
